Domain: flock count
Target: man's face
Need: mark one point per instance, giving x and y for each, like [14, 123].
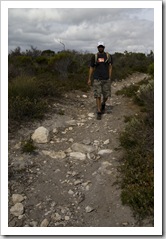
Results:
[101, 49]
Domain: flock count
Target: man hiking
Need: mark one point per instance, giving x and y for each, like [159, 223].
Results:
[101, 69]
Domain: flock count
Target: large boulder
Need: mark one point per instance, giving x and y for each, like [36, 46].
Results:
[41, 135]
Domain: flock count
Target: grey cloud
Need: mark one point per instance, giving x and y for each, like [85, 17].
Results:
[80, 29]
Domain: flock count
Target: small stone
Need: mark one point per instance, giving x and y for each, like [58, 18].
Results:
[77, 182]
[33, 224]
[70, 192]
[54, 155]
[71, 140]
[86, 183]
[105, 151]
[21, 216]
[84, 96]
[74, 173]
[86, 141]
[125, 224]
[77, 147]
[67, 218]
[16, 198]
[44, 223]
[77, 155]
[55, 131]
[56, 217]
[96, 143]
[80, 124]
[89, 209]
[107, 141]
[17, 209]
[17, 146]
[91, 115]
[71, 123]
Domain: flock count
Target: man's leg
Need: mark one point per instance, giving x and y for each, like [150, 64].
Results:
[97, 95]
[106, 90]
[98, 103]
[103, 105]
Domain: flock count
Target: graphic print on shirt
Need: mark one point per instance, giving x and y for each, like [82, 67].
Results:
[101, 60]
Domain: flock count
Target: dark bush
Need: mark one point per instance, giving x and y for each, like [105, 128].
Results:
[34, 74]
[138, 163]
[24, 108]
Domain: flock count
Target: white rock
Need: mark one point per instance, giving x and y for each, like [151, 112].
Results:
[33, 224]
[17, 209]
[71, 140]
[86, 183]
[71, 122]
[82, 148]
[80, 124]
[77, 182]
[44, 223]
[77, 155]
[68, 150]
[17, 146]
[67, 218]
[107, 141]
[89, 209]
[87, 188]
[56, 217]
[105, 168]
[105, 151]
[17, 198]
[84, 96]
[91, 115]
[55, 131]
[86, 141]
[96, 143]
[70, 192]
[41, 135]
[54, 155]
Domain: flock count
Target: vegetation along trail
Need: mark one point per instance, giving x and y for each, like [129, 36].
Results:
[71, 176]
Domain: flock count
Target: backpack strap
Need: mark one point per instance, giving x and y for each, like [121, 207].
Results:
[108, 56]
[96, 56]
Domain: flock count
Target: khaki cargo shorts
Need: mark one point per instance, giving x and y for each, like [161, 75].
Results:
[102, 87]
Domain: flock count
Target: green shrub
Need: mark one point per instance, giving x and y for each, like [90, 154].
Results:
[24, 108]
[128, 91]
[137, 169]
[138, 163]
[145, 98]
[43, 60]
[23, 86]
[151, 69]
[27, 146]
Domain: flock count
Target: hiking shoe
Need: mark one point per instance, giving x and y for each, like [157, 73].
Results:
[103, 108]
[98, 115]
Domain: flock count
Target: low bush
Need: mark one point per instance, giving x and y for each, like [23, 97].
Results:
[23, 86]
[27, 146]
[24, 108]
[35, 75]
[138, 162]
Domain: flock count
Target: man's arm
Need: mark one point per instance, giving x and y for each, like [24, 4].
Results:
[91, 70]
[110, 71]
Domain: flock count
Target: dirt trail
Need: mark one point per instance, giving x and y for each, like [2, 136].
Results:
[78, 187]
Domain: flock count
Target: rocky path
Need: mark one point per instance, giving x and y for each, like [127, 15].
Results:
[70, 179]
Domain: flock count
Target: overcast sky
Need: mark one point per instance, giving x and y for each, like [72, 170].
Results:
[80, 29]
